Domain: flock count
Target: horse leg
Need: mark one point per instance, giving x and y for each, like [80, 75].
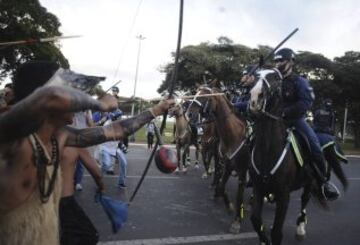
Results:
[218, 169]
[205, 157]
[256, 216]
[282, 203]
[335, 165]
[184, 157]
[178, 153]
[220, 188]
[302, 219]
[196, 155]
[236, 224]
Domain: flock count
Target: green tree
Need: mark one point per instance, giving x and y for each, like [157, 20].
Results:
[223, 59]
[320, 71]
[22, 20]
[347, 77]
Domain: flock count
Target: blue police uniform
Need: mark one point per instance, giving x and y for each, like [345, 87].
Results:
[242, 102]
[324, 121]
[298, 97]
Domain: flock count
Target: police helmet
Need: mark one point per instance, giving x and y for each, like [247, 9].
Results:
[115, 89]
[284, 54]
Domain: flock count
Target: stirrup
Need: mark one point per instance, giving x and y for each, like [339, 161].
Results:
[336, 192]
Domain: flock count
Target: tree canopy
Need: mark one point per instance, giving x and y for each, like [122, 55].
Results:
[23, 20]
[336, 79]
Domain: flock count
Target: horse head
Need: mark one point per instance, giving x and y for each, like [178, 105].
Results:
[206, 103]
[176, 111]
[266, 94]
[193, 109]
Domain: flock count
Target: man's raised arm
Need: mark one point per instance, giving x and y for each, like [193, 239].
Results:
[115, 130]
[27, 115]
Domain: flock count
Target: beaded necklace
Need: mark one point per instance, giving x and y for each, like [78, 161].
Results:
[42, 159]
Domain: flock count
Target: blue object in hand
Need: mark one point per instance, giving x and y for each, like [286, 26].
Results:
[116, 211]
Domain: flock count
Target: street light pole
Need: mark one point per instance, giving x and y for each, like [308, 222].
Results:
[140, 37]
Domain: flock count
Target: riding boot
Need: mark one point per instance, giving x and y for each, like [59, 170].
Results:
[319, 167]
[323, 178]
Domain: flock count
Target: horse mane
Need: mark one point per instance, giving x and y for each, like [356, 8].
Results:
[218, 90]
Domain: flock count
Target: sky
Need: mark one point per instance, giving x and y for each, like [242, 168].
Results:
[109, 47]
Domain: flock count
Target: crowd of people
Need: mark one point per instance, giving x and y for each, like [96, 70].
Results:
[40, 150]
[47, 132]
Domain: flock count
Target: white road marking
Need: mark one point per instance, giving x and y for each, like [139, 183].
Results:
[183, 240]
[138, 177]
[353, 156]
[354, 178]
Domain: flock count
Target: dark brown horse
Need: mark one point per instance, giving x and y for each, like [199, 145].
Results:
[275, 168]
[232, 148]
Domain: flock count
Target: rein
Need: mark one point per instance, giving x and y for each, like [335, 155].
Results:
[263, 109]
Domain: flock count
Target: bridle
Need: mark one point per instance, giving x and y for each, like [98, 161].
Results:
[271, 91]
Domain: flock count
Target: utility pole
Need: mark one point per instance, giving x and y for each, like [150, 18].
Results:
[345, 121]
[140, 37]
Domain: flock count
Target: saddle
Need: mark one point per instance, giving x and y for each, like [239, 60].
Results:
[300, 146]
[327, 140]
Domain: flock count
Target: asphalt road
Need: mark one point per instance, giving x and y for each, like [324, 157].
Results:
[179, 209]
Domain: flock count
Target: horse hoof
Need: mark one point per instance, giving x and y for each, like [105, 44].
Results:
[300, 231]
[196, 166]
[184, 170]
[235, 227]
[176, 171]
[204, 176]
[299, 237]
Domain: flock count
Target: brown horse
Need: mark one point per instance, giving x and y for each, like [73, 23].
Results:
[275, 167]
[183, 138]
[232, 148]
[210, 151]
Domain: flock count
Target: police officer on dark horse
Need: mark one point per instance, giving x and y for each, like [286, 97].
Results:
[298, 97]
[280, 100]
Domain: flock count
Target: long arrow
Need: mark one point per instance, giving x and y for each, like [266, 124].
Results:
[38, 40]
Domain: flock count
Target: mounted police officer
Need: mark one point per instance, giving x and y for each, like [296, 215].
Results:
[246, 83]
[324, 127]
[324, 118]
[298, 97]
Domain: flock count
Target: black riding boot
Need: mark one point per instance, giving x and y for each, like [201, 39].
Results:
[323, 178]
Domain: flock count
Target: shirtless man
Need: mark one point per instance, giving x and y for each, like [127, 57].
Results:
[75, 226]
[33, 135]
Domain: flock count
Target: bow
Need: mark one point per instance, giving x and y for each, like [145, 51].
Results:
[171, 91]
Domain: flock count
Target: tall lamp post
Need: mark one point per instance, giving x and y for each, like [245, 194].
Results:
[140, 37]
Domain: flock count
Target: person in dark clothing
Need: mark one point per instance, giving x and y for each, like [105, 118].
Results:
[324, 127]
[324, 118]
[247, 82]
[150, 133]
[298, 97]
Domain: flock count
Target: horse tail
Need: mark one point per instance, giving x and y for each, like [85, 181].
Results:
[335, 165]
